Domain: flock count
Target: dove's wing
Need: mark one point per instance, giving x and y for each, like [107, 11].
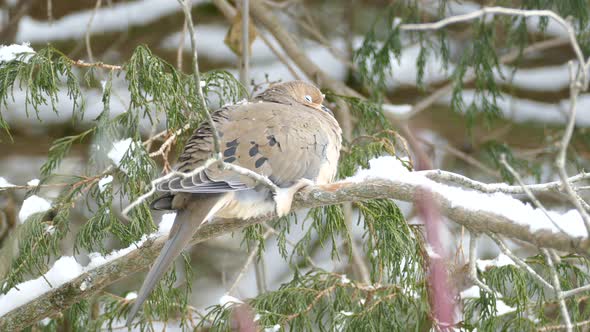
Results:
[283, 142]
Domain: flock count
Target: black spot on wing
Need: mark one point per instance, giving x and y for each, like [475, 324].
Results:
[232, 143]
[229, 160]
[260, 161]
[230, 152]
[271, 140]
[253, 150]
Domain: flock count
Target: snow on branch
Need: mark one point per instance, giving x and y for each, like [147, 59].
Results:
[495, 213]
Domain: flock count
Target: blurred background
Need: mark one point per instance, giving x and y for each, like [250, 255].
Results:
[533, 102]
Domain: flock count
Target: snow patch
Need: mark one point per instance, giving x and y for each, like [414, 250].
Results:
[33, 182]
[430, 252]
[397, 109]
[50, 229]
[104, 182]
[501, 307]
[344, 279]
[32, 205]
[66, 269]
[470, 293]
[63, 270]
[229, 300]
[116, 17]
[166, 223]
[274, 328]
[131, 296]
[15, 51]
[45, 321]
[5, 184]
[501, 260]
[119, 150]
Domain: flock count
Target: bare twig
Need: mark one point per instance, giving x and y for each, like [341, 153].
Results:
[519, 261]
[280, 56]
[260, 271]
[424, 103]
[563, 327]
[186, 8]
[157, 136]
[575, 87]
[358, 261]
[246, 265]
[558, 294]
[245, 58]
[576, 291]
[490, 188]
[83, 64]
[261, 179]
[180, 48]
[28, 187]
[313, 30]
[234, 168]
[148, 143]
[528, 192]
[162, 179]
[216, 140]
[50, 10]
[88, 26]
[265, 17]
[292, 244]
[168, 141]
[463, 156]
[512, 12]
[472, 261]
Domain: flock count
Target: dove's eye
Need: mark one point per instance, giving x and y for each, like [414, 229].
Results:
[308, 98]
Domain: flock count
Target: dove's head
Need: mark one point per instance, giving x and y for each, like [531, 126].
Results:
[292, 92]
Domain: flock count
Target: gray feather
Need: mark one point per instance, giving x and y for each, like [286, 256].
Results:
[185, 225]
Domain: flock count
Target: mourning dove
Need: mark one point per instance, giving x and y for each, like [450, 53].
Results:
[285, 134]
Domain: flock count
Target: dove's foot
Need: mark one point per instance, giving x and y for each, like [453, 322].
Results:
[284, 197]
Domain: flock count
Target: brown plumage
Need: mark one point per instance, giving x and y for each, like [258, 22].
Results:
[285, 133]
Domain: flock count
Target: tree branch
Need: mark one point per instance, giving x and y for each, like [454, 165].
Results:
[96, 279]
[186, 8]
[511, 12]
[292, 48]
[469, 77]
[558, 293]
[245, 58]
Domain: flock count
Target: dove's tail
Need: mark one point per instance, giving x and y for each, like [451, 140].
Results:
[185, 225]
